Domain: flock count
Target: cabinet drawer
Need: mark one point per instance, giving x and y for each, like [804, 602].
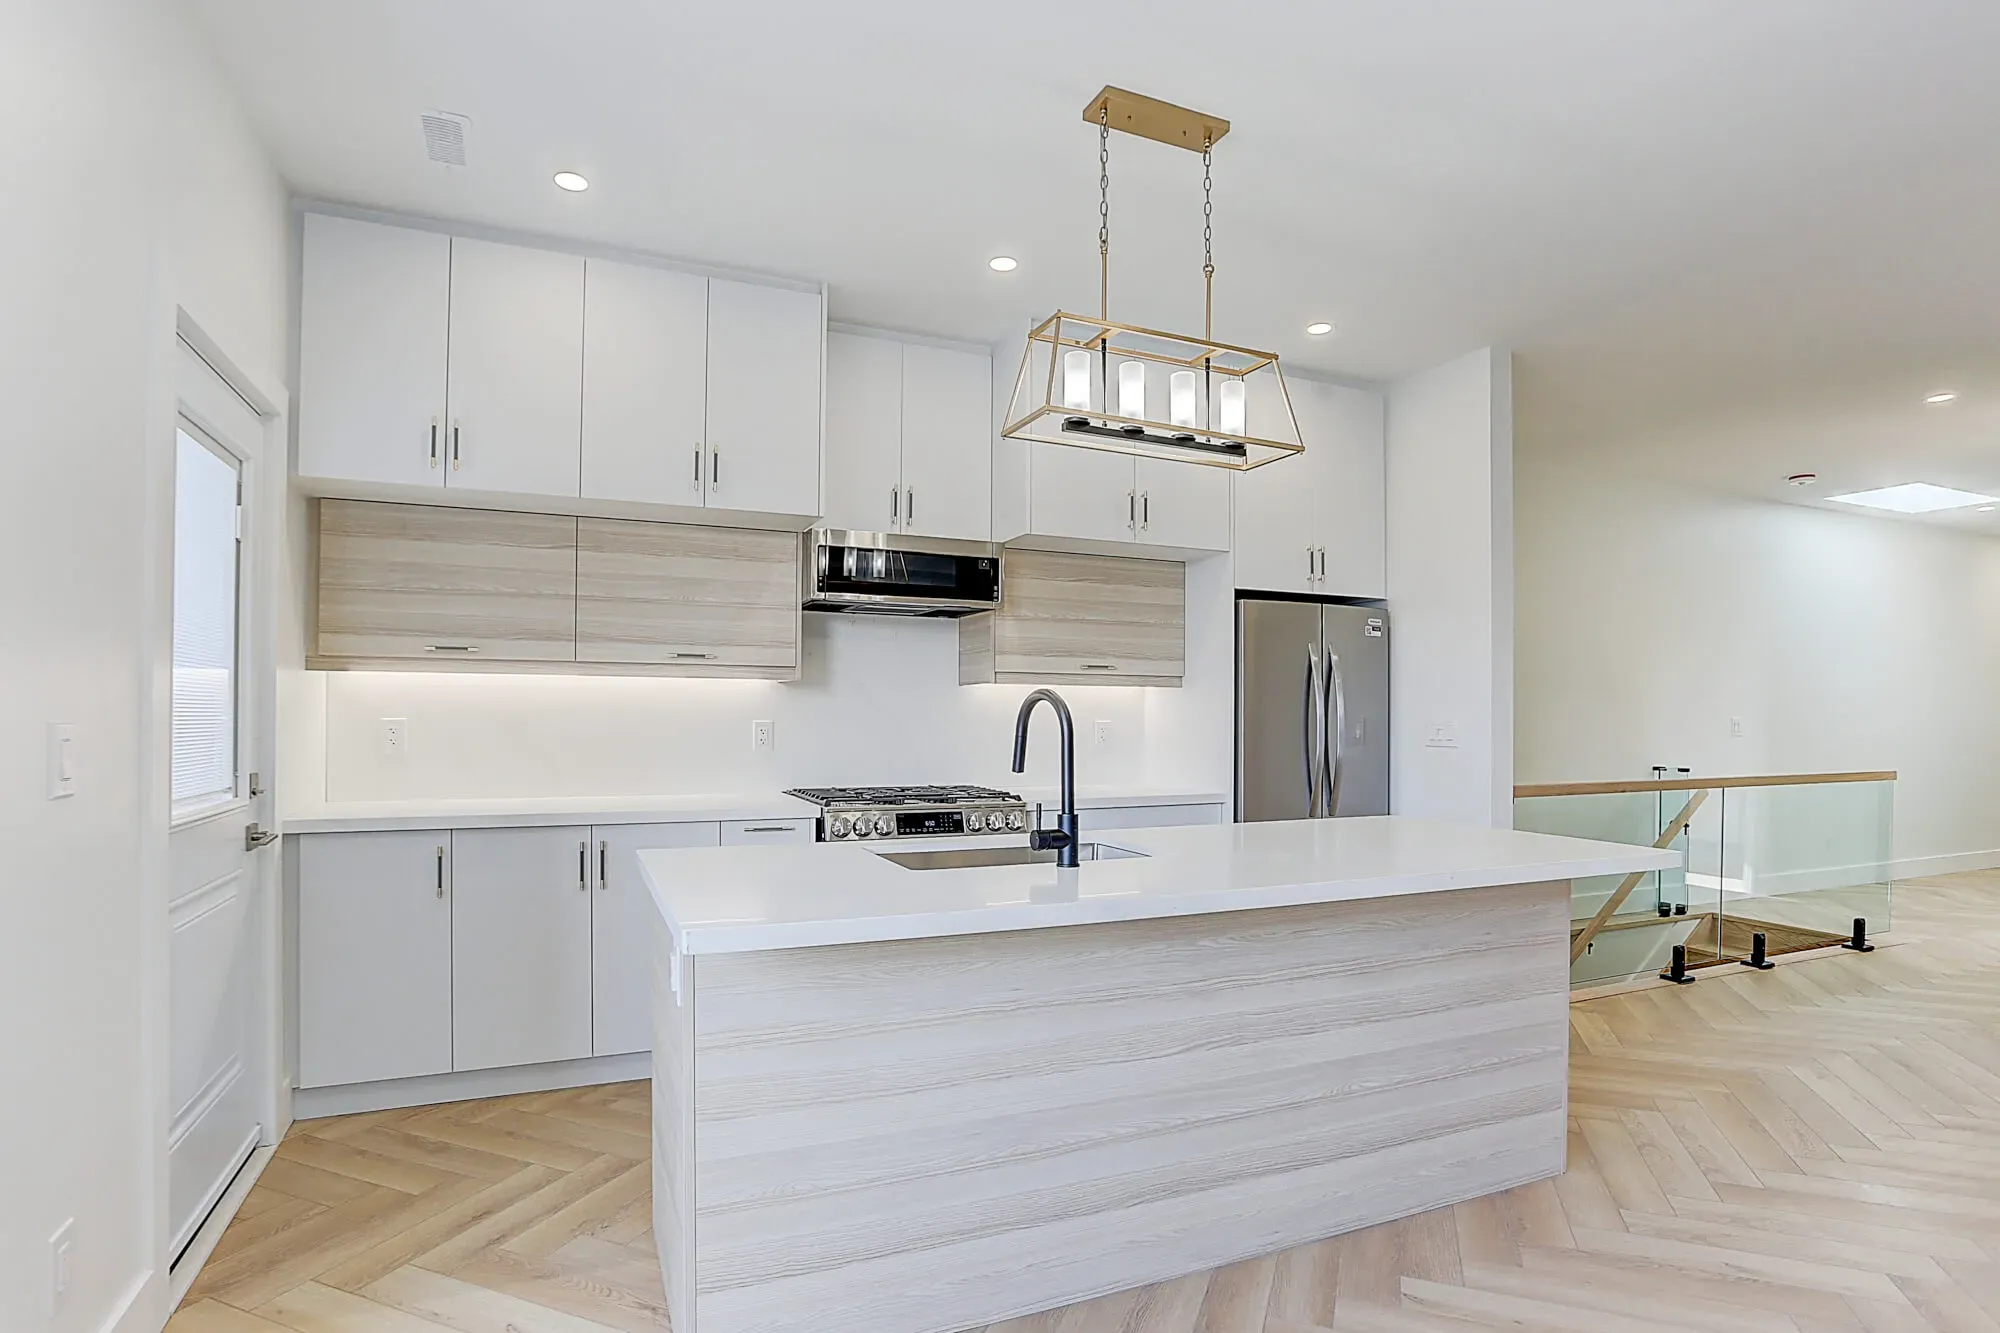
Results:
[431, 583]
[672, 593]
[750, 832]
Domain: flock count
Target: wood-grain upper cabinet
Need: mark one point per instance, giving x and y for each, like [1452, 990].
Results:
[645, 384]
[375, 950]
[1080, 619]
[431, 584]
[1317, 523]
[717, 601]
[766, 346]
[515, 391]
[374, 320]
[520, 946]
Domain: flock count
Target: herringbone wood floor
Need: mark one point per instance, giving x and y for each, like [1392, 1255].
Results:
[1815, 1148]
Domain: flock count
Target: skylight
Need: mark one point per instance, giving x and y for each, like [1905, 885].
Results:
[1914, 497]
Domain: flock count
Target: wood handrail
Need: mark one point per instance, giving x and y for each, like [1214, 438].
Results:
[1696, 784]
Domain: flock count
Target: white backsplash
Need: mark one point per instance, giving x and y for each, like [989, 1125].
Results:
[878, 701]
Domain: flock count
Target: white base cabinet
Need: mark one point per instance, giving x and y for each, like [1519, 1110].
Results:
[520, 946]
[375, 951]
[621, 931]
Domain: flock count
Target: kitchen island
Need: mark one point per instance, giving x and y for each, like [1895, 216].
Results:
[921, 1092]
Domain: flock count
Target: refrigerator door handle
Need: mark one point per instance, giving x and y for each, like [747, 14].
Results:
[1333, 719]
[1310, 735]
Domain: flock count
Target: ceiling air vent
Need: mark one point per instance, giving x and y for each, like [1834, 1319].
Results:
[444, 137]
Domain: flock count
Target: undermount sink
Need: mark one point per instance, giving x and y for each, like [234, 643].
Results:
[965, 858]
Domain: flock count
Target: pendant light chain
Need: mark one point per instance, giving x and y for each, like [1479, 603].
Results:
[1104, 213]
[1207, 243]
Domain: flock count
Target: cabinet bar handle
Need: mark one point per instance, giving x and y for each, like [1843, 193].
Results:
[1310, 576]
[440, 852]
[1145, 509]
[895, 498]
[909, 506]
[449, 648]
[434, 441]
[454, 446]
[1098, 666]
[715, 469]
[1322, 564]
[697, 467]
[769, 828]
[1131, 509]
[603, 880]
[695, 657]
[583, 866]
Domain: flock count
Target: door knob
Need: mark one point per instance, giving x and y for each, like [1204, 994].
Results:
[256, 835]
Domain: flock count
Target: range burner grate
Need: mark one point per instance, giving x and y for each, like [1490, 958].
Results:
[925, 795]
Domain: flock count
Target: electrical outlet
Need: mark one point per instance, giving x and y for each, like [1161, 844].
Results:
[59, 1247]
[1103, 732]
[394, 736]
[762, 738]
[1442, 736]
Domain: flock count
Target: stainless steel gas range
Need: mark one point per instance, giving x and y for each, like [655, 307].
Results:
[888, 813]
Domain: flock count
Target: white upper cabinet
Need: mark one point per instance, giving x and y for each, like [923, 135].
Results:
[947, 442]
[765, 350]
[515, 377]
[429, 360]
[1081, 493]
[645, 383]
[374, 315]
[1182, 504]
[864, 433]
[1316, 523]
[908, 438]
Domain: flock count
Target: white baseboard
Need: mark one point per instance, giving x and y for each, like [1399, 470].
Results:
[137, 1313]
[351, 1098]
[1921, 867]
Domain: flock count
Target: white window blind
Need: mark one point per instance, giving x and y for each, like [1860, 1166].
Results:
[205, 574]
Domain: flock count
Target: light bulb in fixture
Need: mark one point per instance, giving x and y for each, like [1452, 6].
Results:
[1180, 399]
[1076, 380]
[1003, 263]
[569, 180]
[1229, 407]
[1319, 329]
[1132, 389]
[1940, 397]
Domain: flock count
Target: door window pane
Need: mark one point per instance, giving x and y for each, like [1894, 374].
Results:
[205, 574]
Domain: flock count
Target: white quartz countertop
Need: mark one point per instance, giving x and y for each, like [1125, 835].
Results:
[373, 816]
[746, 899]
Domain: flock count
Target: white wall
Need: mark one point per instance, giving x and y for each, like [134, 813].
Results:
[1652, 613]
[135, 185]
[1451, 589]
[879, 702]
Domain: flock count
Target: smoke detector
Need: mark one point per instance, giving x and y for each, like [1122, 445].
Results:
[444, 137]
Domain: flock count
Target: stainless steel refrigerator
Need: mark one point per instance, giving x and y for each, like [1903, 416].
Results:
[1312, 709]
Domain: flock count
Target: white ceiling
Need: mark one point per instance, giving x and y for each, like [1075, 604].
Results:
[1730, 238]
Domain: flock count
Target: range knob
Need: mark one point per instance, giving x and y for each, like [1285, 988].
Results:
[995, 821]
[1017, 821]
[839, 826]
[862, 828]
[882, 825]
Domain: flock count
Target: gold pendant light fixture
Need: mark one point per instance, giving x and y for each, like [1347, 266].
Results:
[1098, 384]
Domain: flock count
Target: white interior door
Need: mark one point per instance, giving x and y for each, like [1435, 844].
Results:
[219, 907]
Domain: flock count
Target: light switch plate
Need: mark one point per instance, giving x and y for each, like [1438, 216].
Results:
[62, 760]
[1736, 728]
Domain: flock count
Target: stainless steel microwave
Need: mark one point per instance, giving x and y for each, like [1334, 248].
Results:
[899, 575]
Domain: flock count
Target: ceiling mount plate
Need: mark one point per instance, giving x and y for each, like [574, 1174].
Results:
[1150, 118]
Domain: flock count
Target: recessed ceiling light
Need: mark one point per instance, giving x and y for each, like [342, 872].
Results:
[1941, 397]
[1803, 478]
[569, 180]
[1986, 509]
[1916, 497]
[1003, 263]
[1319, 330]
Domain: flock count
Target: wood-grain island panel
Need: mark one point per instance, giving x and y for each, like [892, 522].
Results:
[928, 1135]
